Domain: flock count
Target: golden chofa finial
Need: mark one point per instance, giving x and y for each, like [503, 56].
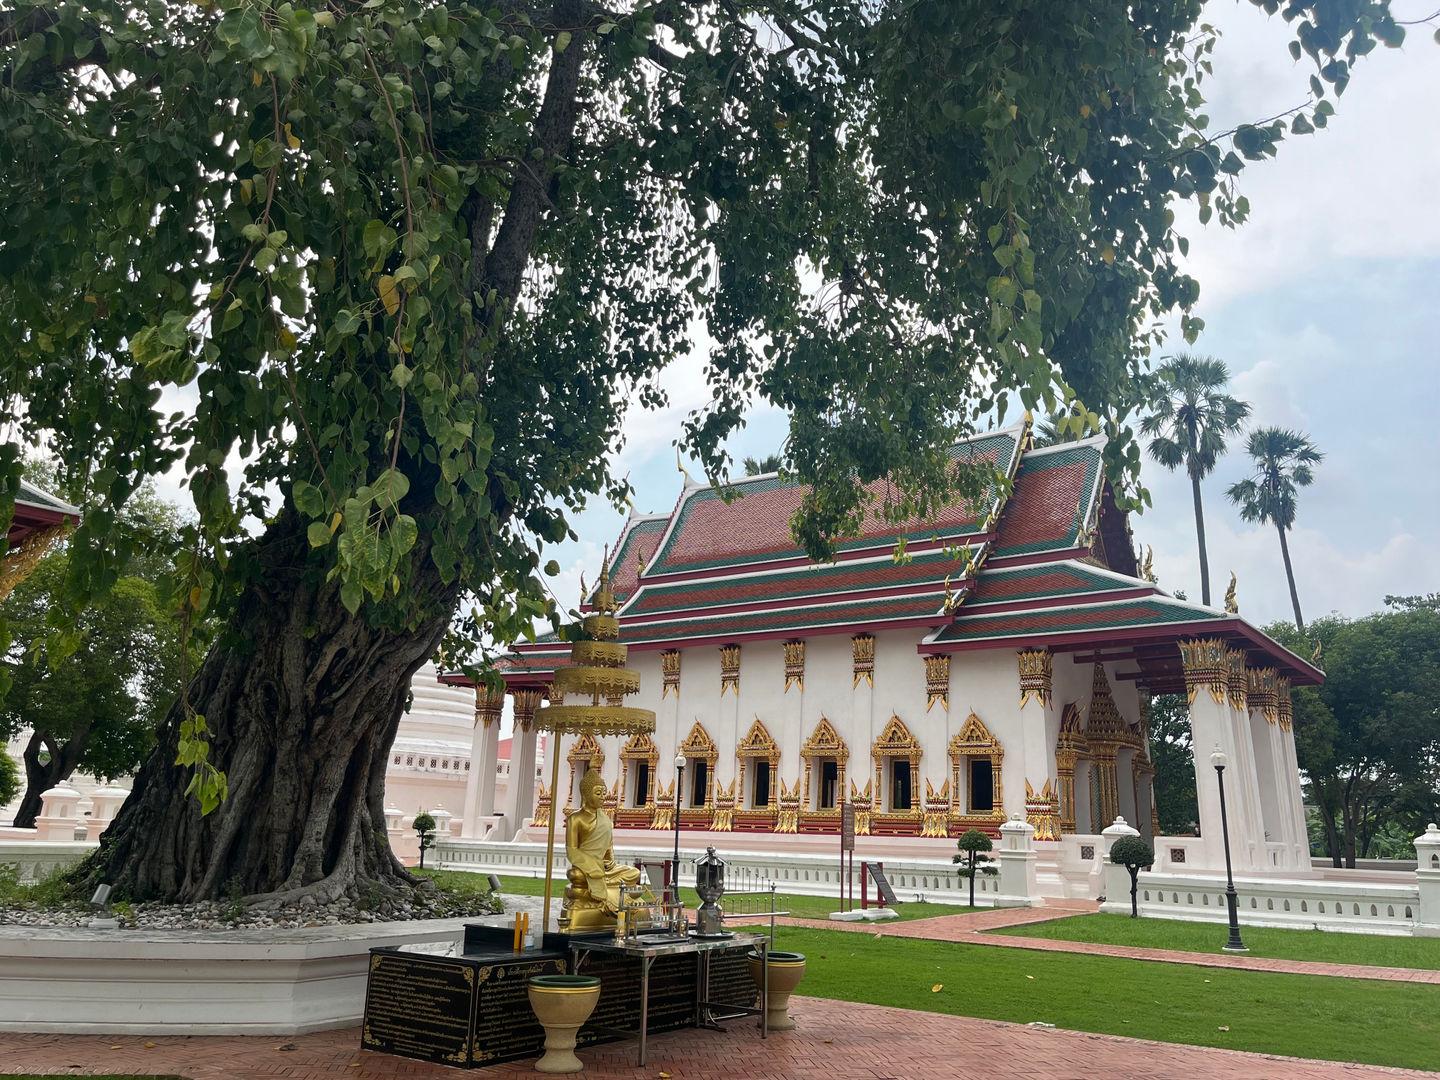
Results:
[604, 598]
[1232, 605]
[584, 596]
[1147, 567]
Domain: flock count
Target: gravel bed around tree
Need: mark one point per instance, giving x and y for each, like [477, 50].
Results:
[216, 915]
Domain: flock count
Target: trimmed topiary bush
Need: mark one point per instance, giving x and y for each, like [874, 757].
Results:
[1133, 853]
[973, 845]
[424, 826]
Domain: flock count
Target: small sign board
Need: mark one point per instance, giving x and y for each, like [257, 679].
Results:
[847, 827]
[882, 885]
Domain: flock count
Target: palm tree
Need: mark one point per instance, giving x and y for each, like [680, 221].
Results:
[767, 464]
[1283, 461]
[1191, 421]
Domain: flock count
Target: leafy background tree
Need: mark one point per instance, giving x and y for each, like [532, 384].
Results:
[758, 466]
[414, 260]
[1173, 755]
[1368, 739]
[9, 779]
[1190, 422]
[95, 707]
[1284, 462]
[90, 699]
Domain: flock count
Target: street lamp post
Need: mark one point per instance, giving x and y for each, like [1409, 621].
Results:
[675, 865]
[1235, 945]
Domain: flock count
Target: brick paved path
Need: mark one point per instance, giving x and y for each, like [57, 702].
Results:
[970, 928]
[836, 1040]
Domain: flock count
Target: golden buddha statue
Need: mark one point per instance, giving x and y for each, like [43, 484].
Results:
[592, 898]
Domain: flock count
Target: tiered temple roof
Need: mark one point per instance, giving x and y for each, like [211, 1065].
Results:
[1050, 564]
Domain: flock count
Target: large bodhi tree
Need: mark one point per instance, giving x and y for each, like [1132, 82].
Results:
[382, 277]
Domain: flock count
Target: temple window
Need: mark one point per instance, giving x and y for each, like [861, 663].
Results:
[699, 781]
[897, 768]
[700, 754]
[824, 754]
[901, 777]
[975, 760]
[982, 786]
[829, 782]
[640, 783]
[756, 758]
[760, 784]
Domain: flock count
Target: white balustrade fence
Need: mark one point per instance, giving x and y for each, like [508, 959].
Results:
[809, 875]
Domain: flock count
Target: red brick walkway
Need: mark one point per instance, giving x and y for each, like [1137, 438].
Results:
[970, 928]
[836, 1040]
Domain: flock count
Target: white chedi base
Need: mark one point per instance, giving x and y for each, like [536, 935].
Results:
[866, 915]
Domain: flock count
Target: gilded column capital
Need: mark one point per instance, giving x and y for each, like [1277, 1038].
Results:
[527, 700]
[937, 681]
[1239, 680]
[489, 703]
[1285, 712]
[1264, 693]
[1207, 664]
[862, 652]
[670, 672]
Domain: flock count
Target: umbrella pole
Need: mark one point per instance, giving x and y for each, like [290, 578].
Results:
[555, 811]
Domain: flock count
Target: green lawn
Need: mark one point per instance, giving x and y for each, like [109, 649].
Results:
[1405, 952]
[1311, 1016]
[801, 907]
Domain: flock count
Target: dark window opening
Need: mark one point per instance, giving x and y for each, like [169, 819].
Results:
[699, 781]
[762, 784]
[642, 784]
[982, 785]
[900, 784]
[829, 781]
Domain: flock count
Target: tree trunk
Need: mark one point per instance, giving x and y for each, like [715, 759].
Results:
[1348, 823]
[1332, 835]
[1134, 892]
[1290, 577]
[972, 879]
[40, 776]
[302, 700]
[1200, 538]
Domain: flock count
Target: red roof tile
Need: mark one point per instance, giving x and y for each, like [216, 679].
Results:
[1052, 501]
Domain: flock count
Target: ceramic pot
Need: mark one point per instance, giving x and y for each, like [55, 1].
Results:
[786, 971]
[562, 1003]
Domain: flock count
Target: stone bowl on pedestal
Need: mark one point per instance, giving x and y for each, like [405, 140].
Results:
[562, 1003]
[786, 969]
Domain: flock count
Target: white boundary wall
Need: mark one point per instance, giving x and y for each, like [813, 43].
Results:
[1361, 907]
[809, 875]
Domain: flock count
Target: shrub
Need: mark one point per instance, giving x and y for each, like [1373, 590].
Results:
[1133, 853]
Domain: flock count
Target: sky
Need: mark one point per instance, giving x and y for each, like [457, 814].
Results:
[1324, 305]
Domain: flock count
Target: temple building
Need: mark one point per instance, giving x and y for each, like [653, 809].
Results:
[995, 666]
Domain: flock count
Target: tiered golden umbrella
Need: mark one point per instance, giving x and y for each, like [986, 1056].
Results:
[596, 669]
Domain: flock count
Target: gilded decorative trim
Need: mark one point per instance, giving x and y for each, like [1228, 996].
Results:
[1105, 727]
[20, 561]
[722, 818]
[1207, 664]
[1036, 674]
[555, 693]
[862, 652]
[1042, 810]
[729, 669]
[794, 664]
[670, 672]
[1070, 746]
[863, 802]
[937, 681]
[489, 703]
[1284, 708]
[1264, 693]
[788, 820]
[542, 805]
[1239, 681]
[664, 816]
[527, 700]
[936, 818]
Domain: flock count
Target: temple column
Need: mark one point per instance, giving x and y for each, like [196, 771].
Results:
[862, 712]
[521, 798]
[484, 753]
[1246, 784]
[1263, 715]
[1207, 684]
[1039, 728]
[1071, 767]
[1292, 800]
